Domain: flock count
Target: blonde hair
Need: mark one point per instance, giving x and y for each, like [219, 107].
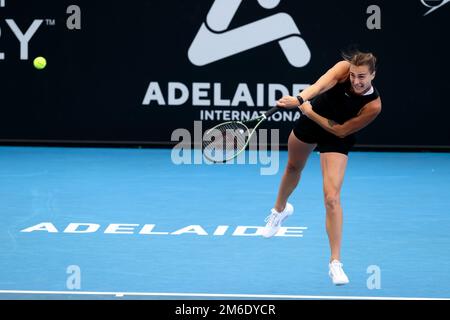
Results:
[358, 58]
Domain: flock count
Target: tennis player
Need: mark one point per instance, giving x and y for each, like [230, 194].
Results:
[340, 103]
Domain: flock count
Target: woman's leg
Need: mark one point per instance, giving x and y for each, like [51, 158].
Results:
[298, 153]
[333, 169]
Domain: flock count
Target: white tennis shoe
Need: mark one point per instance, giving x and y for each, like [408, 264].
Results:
[337, 274]
[275, 219]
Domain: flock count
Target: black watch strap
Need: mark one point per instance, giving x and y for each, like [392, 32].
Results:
[300, 100]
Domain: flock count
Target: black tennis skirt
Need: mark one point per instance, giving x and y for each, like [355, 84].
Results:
[310, 132]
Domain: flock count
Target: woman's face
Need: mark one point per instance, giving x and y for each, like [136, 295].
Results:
[361, 78]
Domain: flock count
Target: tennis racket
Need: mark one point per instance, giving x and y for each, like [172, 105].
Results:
[228, 139]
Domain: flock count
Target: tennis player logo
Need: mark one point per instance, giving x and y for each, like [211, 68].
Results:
[214, 41]
[433, 4]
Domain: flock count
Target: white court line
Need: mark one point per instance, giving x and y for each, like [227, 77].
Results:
[213, 295]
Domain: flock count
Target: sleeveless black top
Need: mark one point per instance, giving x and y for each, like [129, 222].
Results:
[340, 104]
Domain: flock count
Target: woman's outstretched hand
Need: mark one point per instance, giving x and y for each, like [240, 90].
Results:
[287, 102]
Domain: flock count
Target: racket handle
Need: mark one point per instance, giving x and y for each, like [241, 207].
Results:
[272, 111]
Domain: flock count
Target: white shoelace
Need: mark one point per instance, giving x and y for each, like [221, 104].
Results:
[337, 267]
[271, 219]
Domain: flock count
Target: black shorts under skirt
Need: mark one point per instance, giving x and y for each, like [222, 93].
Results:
[308, 131]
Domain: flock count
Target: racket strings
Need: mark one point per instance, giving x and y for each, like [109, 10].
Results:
[225, 141]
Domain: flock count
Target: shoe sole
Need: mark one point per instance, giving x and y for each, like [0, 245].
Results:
[338, 283]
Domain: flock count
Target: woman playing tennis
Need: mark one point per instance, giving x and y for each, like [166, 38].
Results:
[334, 108]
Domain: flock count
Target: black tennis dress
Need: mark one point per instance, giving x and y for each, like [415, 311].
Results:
[338, 104]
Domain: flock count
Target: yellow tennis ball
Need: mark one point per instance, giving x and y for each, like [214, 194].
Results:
[39, 63]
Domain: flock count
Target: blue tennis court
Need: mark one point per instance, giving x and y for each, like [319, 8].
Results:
[103, 223]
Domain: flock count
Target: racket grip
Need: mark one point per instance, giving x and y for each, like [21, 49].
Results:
[272, 111]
